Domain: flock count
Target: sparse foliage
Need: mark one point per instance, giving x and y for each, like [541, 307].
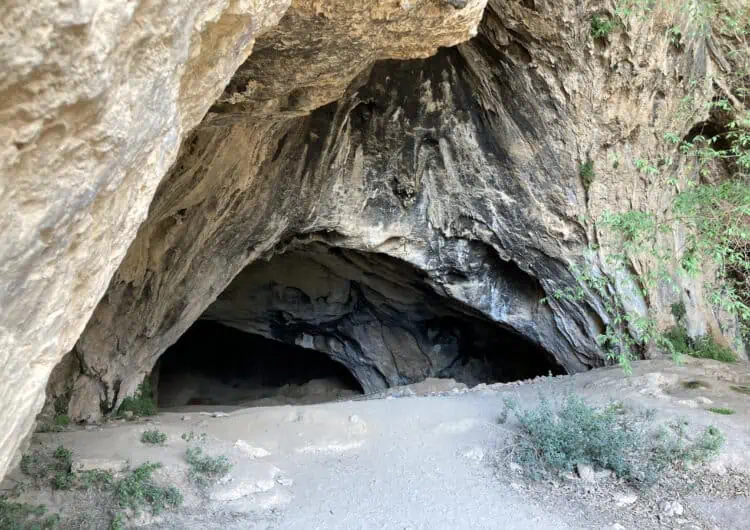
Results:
[138, 490]
[555, 437]
[602, 26]
[140, 404]
[704, 347]
[20, 516]
[721, 410]
[153, 437]
[204, 468]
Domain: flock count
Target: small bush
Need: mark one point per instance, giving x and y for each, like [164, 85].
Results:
[707, 348]
[704, 347]
[678, 310]
[153, 437]
[556, 438]
[63, 480]
[96, 478]
[742, 389]
[204, 468]
[138, 490]
[193, 436]
[41, 466]
[602, 26]
[19, 516]
[587, 174]
[62, 420]
[140, 404]
[720, 410]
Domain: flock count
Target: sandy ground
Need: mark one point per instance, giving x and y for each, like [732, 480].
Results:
[408, 461]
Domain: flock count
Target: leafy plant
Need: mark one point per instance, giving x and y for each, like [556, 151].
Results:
[742, 389]
[602, 26]
[140, 404]
[138, 490]
[193, 436]
[62, 420]
[587, 174]
[721, 410]
[98, 478]
[20, 516]
[704, 347]
[55, 467]
[556, 437]
[153, 437]
[205, 468]
[678, 310]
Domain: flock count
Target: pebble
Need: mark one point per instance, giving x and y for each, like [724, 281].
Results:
[625, 499]
[671, 508]
[251, 451]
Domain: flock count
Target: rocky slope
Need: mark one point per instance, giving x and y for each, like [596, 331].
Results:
[346, 132]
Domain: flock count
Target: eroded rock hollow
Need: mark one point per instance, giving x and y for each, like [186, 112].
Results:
[408, 166]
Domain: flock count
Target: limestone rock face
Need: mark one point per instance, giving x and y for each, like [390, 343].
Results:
[97, 97]
[465, 166]
[389, 322]
[350, 140]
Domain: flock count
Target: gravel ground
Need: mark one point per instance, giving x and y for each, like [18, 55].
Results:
[423, 457]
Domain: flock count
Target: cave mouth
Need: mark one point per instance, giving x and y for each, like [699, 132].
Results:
[216, 365]
[325, 323]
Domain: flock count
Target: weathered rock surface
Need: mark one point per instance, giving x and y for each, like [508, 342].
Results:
[384, 320]
[465, 166]
[96, 100]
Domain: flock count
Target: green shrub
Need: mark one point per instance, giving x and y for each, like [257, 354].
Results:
[62, 420]
[602, 26]
[43, 466]
[587, 174]
[137, 491]
[140, 404]
[96, 478]
[193, 436]
[704, 347]
[720, 410]
[557, 437]
[204, 468]
[679, 338]
[707, 348]
[63, 480]
[742, 389]
[153, 437]
[678, 310]
[19, 516]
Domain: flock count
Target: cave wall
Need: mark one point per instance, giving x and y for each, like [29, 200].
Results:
[97, 98]
[449, 163]
[387, 322]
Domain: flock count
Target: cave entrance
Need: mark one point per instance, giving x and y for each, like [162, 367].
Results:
[322, 323]
[213, 364]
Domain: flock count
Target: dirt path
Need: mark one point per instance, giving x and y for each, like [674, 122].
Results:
[422, 462]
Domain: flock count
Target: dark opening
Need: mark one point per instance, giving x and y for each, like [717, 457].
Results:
[214, 364]
[367, 321]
